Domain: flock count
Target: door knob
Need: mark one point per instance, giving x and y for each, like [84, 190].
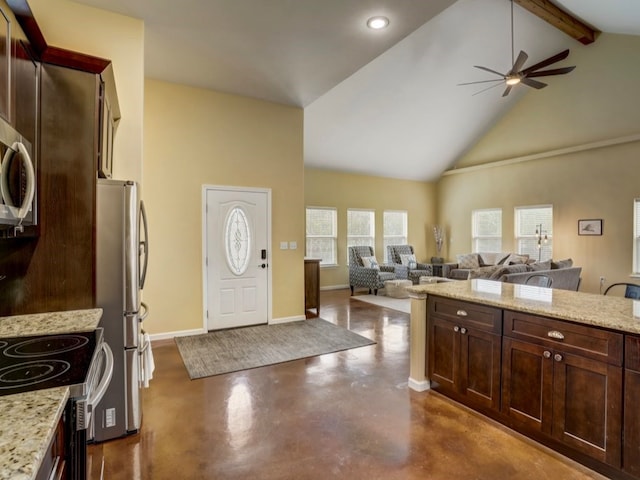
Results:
[456, 329]
[557, 357]
[546, 354]
[463, 330]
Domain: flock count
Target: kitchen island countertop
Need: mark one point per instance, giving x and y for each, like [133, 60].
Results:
[614, 313]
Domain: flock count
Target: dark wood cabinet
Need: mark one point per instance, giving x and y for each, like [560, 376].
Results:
[312, 284]
[464, 350]
[631, 451]
[565, 381]
[54, 463]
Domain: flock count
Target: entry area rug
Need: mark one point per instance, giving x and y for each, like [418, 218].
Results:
[400, 304]
[226, 351]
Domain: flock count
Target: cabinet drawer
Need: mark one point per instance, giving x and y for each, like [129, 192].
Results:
[473, 315]
[566, 336]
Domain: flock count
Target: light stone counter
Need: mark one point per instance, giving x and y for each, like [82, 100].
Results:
[28, 420]
[27, 425]
[50, 323]
[614, 313]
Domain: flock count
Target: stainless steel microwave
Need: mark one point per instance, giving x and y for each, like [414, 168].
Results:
[18, 188]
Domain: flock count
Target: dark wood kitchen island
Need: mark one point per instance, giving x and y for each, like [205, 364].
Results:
[561, 367]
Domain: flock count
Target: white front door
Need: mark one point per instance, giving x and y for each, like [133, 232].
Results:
[237, 233]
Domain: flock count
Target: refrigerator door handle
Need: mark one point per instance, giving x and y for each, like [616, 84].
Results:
[144, 245]
[145, 312]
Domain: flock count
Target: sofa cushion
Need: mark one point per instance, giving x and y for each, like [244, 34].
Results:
[506, 270]
[483, 272]
[370, 262]
[537, 266]
[468, 260]
[561, 264]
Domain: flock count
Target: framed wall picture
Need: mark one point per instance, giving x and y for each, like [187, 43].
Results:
[590, 227]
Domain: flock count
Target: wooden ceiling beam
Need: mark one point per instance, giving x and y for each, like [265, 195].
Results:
[560, 19]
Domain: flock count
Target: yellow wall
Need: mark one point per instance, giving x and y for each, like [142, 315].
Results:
[325, 188]
[195, 137]
[114, 37]
[595, 103]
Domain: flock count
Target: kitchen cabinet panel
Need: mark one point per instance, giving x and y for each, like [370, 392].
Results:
[575, 399]
[464, 351]
[312, 284]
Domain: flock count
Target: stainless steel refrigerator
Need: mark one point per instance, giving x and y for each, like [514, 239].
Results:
[121, 265]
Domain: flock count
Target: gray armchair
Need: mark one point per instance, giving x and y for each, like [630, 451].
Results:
[367, 277]
[405, 271]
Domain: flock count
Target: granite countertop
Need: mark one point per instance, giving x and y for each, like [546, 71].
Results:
[50, 323]
[28, 420]
[27, 425]
[615, 313]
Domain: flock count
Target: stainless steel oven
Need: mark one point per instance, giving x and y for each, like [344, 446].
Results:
[82, 361]
[18, 181]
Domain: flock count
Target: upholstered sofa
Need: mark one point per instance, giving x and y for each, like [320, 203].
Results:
[365, 271]
[562, 273]
[471, 261]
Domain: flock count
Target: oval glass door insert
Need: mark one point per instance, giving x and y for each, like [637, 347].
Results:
[237, 241]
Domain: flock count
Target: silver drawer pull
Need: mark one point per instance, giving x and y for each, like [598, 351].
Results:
[461, 313]
[555, 334]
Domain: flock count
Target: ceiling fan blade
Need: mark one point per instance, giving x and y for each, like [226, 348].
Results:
[544, 63]
[533, 83]
[519, 63]
[481, 81]
[507, 90]
[489, 70]
[554, 71]
[488, 88]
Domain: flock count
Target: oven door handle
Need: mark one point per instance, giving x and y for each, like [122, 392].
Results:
[101, 389]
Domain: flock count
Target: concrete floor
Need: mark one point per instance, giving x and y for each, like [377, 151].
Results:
[346, 415]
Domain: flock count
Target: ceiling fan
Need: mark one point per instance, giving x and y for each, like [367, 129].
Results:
[526, 76]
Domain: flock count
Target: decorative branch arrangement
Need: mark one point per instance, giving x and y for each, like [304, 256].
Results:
[438, 234]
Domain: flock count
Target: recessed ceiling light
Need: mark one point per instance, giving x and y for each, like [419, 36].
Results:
[378, 23]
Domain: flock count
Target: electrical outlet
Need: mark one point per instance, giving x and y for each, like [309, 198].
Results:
[602, 280]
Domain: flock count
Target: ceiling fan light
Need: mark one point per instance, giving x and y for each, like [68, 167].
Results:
[377, 23]
[513, 80]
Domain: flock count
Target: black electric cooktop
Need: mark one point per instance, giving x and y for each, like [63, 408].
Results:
[34, 363]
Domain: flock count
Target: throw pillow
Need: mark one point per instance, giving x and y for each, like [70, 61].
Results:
[517, 268]
[409, 260]
[370, 262]
[562, 264]
[515, 259]
[469, 260]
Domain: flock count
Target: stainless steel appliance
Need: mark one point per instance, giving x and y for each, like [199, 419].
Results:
[17, 180]
[81, 361]
[121, 265]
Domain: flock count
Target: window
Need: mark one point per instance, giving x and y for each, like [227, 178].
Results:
[636, 236]
[534, 231]
[486, 228]
[394, 230]
[360, 228]
[322, 234]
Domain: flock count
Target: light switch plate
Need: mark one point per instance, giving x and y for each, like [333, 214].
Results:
[293, 245]
[284, 246]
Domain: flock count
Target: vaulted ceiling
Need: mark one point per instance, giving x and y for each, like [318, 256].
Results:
[382, 102]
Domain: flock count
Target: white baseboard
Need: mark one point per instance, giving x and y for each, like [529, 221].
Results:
[419, 386]
[334, 287]
[275, 321]
[179, 333]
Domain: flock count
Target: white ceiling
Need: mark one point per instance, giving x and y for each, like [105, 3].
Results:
[376, 102]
